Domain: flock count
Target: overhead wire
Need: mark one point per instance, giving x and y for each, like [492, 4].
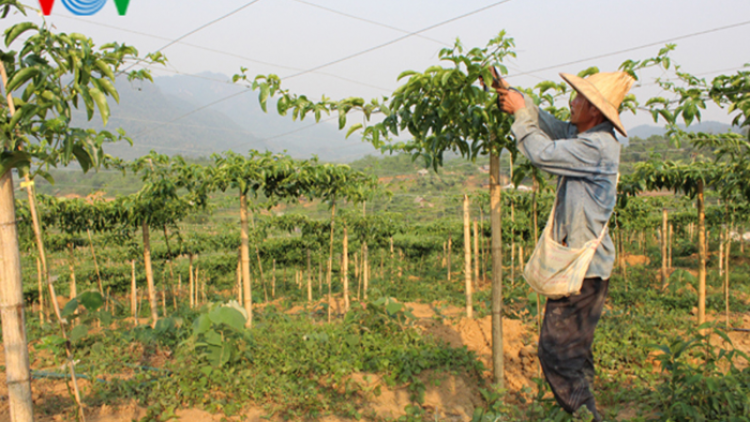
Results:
[697, 33]
[627, 50]
[408, 34]
[351, 56]
[200, 28]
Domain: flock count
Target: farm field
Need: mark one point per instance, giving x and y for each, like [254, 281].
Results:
[262, 286]
[407, 352]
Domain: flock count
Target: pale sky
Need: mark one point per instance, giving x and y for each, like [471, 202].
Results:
[288, 36]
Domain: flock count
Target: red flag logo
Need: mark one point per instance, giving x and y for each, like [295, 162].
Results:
[46, 6]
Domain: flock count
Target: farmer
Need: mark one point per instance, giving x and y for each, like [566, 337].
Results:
[586, 152]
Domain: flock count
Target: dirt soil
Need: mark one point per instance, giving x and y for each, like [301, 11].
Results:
[452, 397]
[633, 260]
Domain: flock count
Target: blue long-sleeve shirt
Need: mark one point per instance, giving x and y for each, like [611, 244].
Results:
[587, 193]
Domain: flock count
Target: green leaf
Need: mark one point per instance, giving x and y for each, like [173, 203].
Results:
[21, 77]
[92, 301]
[405, 74]
[353, 129]
[17, 30]
[105, 69]
[105, 318]
[201, 324]
[393, 308]
[79, 332]
[108, 87]
[229, 316]
[101, 102]
[213, 338]
[263, 97]
[69, 308]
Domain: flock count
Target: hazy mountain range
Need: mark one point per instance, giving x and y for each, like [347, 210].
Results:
[149, 114]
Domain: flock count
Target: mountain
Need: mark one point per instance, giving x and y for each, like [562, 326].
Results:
[301, 139]
[152, 115]
[646, 131]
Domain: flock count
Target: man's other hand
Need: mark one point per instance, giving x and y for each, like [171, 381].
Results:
[509, 100]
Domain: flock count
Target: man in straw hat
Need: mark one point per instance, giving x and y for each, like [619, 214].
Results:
[586, 152]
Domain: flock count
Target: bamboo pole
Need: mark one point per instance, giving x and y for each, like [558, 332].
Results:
[149, 275]
[198, 287]
[498, 364]
[260, 263]
[390, 266]
[133, 292]
[245, 252]
[239, 276]
[18, 376]
[329, 271]
[726, 277]
[357, 276]
[40, 282]
[72, 268]
[309, 278]
[664, 242]
[702, 255]
[320, 278]
[669, 251]
[164, 292]
[68, 351]
[721, 252]
[467, 259]
[449, 252]
[191, 280]
[365, 271]
[345, 268]
[96, 263]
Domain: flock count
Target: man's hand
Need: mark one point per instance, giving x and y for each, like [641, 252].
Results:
[509, 100]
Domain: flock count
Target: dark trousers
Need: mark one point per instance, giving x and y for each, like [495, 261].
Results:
[565, 345]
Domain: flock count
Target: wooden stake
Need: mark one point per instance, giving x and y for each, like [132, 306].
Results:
[669, 243]
[450, 252]
[96, 263]
[726, 277]
[498, 363]
[149, 275]
[664, 243]
[702, 252]
[345, 268]
[133, 292]
[11, 308]
[191, 280]
[72, 268]
[239, 276]
[309, 278]
[467, 259]
[40, 278]
[245, 253]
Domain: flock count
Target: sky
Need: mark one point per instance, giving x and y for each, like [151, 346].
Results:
[290, 37]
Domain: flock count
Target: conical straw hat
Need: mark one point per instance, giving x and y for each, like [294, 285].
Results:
[605, 91]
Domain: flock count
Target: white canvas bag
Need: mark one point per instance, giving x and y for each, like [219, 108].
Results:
[555, 270]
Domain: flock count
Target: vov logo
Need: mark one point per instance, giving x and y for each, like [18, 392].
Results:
[84, 7]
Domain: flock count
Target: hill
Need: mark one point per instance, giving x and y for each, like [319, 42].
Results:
[149, 113]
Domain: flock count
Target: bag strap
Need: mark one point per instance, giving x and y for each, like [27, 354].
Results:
[606, 224]
[551, 218]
